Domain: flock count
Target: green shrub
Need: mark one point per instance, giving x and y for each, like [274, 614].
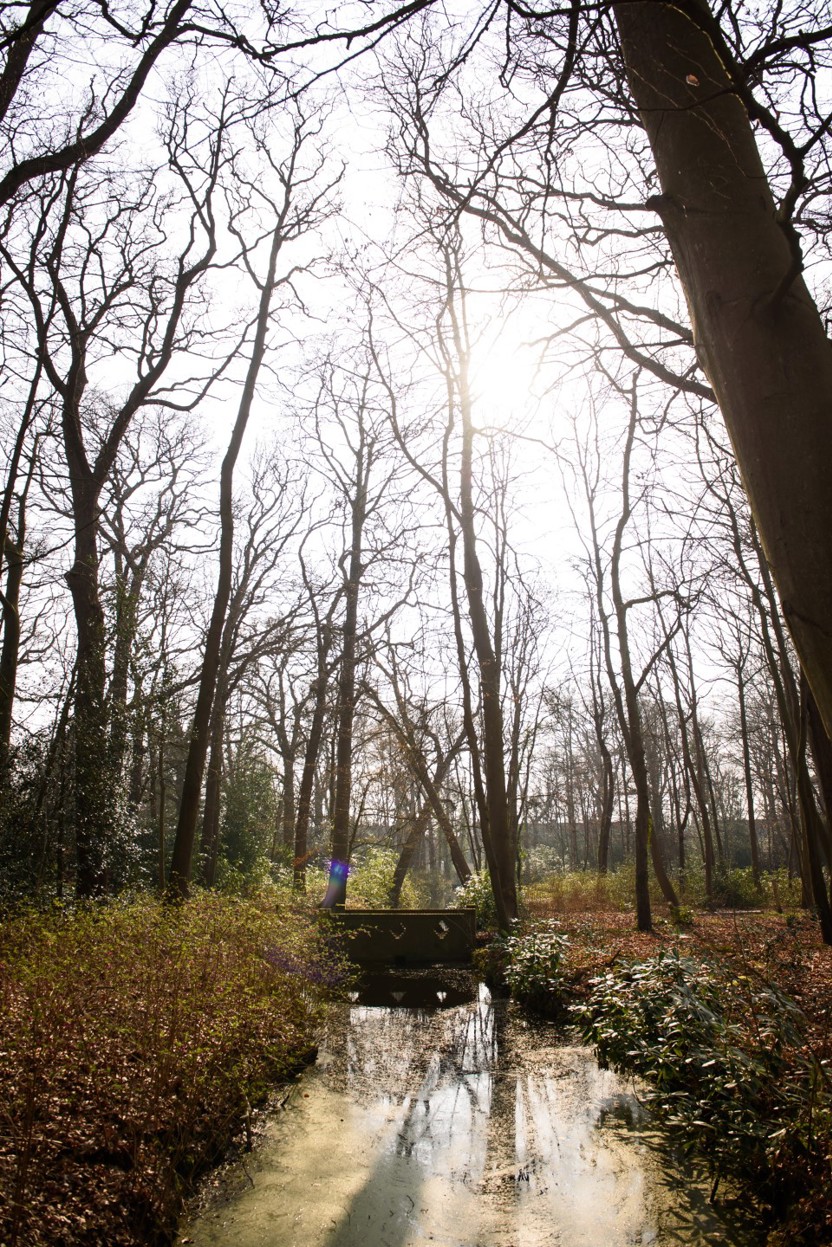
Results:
[781, 890]
[533, 969]
[735, 889]
[233, 880]
[371, 881]
[540, 862]
[577, 891]
[478, 894]
[724, 1058]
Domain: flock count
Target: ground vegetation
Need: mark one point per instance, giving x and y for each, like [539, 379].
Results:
[138, 1042]
[724, 1023]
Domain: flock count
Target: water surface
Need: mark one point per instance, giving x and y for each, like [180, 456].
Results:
[463, 1125]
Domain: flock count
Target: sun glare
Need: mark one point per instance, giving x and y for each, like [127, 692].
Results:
[504, 379]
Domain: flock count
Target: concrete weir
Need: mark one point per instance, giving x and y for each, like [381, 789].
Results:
[407, 938]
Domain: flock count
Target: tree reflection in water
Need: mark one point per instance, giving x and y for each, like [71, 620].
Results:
[462, 1125]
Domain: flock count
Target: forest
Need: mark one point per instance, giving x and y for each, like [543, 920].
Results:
[414, 423]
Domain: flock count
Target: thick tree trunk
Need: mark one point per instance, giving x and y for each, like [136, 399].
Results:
[821, 748]
[210, 841]
[606, 807]
[93, 778]
[759, 336]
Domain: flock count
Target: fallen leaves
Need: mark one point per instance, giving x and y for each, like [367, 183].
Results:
[135, 1038]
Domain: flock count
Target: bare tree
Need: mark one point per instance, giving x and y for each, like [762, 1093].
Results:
[302, 202]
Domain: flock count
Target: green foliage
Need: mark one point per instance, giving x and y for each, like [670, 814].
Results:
[478, 894]
[781, 890]
[576, 891]
[734, 888]
[37, 844]
[533, 969]
[250, 815]
[681, 916]
[135, 1037]
[539, 862]
[724, 1057]
[234, 881]
[371, 880]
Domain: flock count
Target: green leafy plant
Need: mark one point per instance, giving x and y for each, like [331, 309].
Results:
[371, 880]
[477, 894]
[576, 891]
[533, 969]
[723, 1056]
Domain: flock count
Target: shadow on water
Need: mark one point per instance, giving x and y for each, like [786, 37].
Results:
[437, 1115]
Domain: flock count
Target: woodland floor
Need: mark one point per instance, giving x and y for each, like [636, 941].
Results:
[127, 1058]
[785, 950]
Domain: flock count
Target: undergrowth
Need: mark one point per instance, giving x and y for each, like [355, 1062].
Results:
[725, 1062]
[579, 891]
[135, 1040]
[725, 1057]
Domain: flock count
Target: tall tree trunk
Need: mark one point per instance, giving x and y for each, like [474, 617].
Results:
[210, 840]
[183, 845]
[336, 893]
[13, 551]
[821, 747]
[628, 709]
[161, 823]
[93, 780]
[606, 807]
[408, 852]
[748, 777]
[759, 335]
[499, 834]
[10, 653]
[310, 762]
[125, 633]
[288, 811]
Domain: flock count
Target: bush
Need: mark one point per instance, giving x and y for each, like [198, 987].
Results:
[533, 969]
[724, 1059]
[734, 888]
[577, 891]
[235, 881]
[478, 894]
[539, 862]
[371, 881]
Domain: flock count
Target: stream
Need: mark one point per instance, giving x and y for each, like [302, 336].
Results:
[436, 1115]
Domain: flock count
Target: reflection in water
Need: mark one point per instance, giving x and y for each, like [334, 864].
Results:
[464, 1127]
